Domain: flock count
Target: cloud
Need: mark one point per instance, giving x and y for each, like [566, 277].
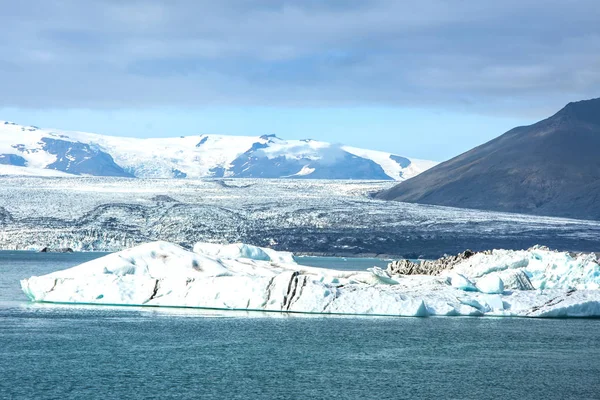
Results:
[490, 57]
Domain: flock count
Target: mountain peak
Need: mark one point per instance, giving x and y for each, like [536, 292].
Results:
[585, 110]
[269, 137]
[548, 168]
[81, 153]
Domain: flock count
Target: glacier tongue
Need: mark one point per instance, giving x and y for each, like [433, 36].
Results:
[244, 277]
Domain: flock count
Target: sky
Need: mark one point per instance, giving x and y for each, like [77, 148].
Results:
[427, 79]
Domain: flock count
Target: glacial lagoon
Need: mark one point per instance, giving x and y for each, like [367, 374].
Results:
[59, 351]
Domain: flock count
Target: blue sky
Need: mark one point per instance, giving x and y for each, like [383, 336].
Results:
[426, 79]
[418, 133]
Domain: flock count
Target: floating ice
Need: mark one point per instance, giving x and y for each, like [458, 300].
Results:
[382, 276]
[516, 280]
[244, 277]
[491, 284]
[545, 269]
[461, 282]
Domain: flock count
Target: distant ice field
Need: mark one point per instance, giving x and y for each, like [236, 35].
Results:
[304, 216]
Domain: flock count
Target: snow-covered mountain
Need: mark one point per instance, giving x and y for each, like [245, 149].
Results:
[29, 150]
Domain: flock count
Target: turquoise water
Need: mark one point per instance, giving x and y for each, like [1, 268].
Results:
[71, 352]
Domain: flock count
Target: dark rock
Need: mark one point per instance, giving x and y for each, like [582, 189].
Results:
[57, 250]
[427, 267]
[12, 159]
[177, 174]
[81, 158]
[162, 198]
[403, 162]
[341, 165]
[548, 168]
[202, 141]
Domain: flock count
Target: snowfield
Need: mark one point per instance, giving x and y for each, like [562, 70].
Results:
[243, 277]
[201, 156]
[12, 170]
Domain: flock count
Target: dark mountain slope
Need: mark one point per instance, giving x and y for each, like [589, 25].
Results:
[548, 168]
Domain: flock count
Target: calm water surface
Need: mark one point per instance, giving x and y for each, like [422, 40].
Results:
[72, 352]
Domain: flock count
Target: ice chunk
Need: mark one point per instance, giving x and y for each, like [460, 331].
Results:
[491, 284]
[241, 250]
[517, 280]
[461, 282]
[473, 302]
[493, 302]
[573, 303]
[382, 276]
[545, 269]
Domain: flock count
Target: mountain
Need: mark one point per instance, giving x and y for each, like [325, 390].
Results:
[548, 168]
[30, 150]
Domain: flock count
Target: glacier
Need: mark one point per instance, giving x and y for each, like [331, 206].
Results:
[244, 277]
[30, 150]
[304, 216]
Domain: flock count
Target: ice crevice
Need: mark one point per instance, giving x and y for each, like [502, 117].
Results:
[528, 283]
[154, 292]
[291, 291]
[268, 292]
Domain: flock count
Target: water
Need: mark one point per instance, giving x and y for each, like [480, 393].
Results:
[343, 263]
[71, 352]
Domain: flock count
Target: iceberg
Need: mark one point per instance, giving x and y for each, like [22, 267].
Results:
[244, 277]
[545, 268]
[461, 282]
[491, 284]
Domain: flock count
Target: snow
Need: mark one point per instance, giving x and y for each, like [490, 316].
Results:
[29, 171]
[306, 170]
[296, 149]
[12, 135]
[244, 277]
[196, 156]
[391, 167]
[241, 250]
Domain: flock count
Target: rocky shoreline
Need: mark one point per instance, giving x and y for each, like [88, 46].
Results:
[428, 267]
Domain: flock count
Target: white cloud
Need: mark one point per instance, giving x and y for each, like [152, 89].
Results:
[328, 53]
